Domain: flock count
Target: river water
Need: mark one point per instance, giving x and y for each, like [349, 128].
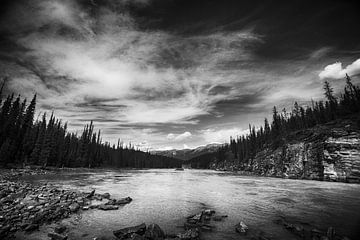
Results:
[167, 197]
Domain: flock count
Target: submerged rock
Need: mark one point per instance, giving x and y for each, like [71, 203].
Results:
[108, 207]
[241, 228]
[121, 201]
[154, 232]
[57, 236]
[125, 233]
[191, 234]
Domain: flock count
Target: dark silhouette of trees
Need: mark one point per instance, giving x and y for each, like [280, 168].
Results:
[46, 142]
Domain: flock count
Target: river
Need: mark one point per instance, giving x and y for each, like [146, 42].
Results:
[167, 197]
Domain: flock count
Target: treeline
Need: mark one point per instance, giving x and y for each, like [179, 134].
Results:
[46, 142]
[274, 134]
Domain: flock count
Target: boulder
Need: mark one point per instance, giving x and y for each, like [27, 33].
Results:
[125, 233]
[241, 228]
[194, 218]
[191, 234]
[154, 232]
[74, 207]
[91, 194]
[123, 201]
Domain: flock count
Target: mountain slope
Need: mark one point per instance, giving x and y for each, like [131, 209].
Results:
[186, 154]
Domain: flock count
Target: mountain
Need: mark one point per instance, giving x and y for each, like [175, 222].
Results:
[186, 154]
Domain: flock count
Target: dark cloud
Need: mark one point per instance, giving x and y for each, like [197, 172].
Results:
[290, 28]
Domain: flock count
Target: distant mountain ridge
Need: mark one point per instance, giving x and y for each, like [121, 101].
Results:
[186, 154]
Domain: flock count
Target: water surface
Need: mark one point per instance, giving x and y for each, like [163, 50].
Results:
[167, 197]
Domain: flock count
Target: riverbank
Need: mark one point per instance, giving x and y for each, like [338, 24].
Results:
[25, 207]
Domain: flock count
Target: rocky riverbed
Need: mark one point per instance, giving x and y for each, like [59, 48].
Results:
[24, 207]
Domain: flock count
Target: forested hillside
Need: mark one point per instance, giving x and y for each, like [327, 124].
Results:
[334, 124]
[46, 142]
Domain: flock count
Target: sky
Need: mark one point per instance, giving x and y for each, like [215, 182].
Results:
[166, 74]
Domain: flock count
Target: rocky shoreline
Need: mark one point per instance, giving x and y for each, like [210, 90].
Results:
[24, 207]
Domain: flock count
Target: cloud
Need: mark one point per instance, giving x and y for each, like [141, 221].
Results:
[336, 71]
[96, 60]
[179, 137]
[212, 135]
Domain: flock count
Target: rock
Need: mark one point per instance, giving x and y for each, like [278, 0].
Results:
[123, 201]
[108, 207]
[57, 236]
[31, 227]
[208, 212]
[106, 195]
[60, 229]
[127, 232]
[91, 194]
[154, 232]
[191, 234]
[241, 228]
[194, 218]
[138, 237]
[74, 207]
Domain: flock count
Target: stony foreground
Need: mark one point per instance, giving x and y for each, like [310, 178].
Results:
[24, 207]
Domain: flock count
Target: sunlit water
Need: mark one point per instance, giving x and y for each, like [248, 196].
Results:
[167, 197]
